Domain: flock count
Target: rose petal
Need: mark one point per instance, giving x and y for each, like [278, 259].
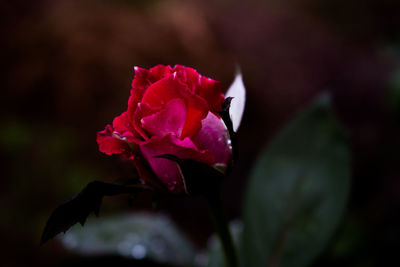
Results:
[143, 110]
[121, 123]
[210, 90]
[159, 72]
[187, 75]
[170, 120]
[193, 121]
[109, 144]
[140, 83]
[207, 88]
[166, 170]
[214, 137]
[141, 79]
[124, 129]
[145, 172]
[196, 111]
[161, 92]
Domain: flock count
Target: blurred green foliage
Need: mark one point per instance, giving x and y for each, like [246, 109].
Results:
[298, 192]
[136, 236]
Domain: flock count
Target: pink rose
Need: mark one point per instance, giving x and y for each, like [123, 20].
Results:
[171, 110]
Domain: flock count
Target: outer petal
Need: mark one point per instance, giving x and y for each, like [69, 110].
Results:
[124, 129]
[109, 143]
[211, 90]
[159, 72]
[214, 138]
[167, 171]
[121, 123]
[140, 83]
[207, 88]
[142, 80]
[170, 120]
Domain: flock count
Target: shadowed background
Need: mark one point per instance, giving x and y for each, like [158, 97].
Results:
[66, 69]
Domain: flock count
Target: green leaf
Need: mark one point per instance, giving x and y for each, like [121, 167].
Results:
[297, 192]
[136, 235]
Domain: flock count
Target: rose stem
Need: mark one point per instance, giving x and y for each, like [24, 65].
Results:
[222, 228]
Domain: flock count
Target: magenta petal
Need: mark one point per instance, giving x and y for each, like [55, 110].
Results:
[167, 171]
[213, 137]
[143, 110]
[170, 120]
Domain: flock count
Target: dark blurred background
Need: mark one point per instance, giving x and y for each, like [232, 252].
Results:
[66, 68]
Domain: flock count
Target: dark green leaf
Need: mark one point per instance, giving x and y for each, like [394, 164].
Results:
[297, 192]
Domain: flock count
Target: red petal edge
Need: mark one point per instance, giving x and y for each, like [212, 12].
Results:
[108, 144]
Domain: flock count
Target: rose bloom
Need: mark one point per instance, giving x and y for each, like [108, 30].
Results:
[171, 110]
